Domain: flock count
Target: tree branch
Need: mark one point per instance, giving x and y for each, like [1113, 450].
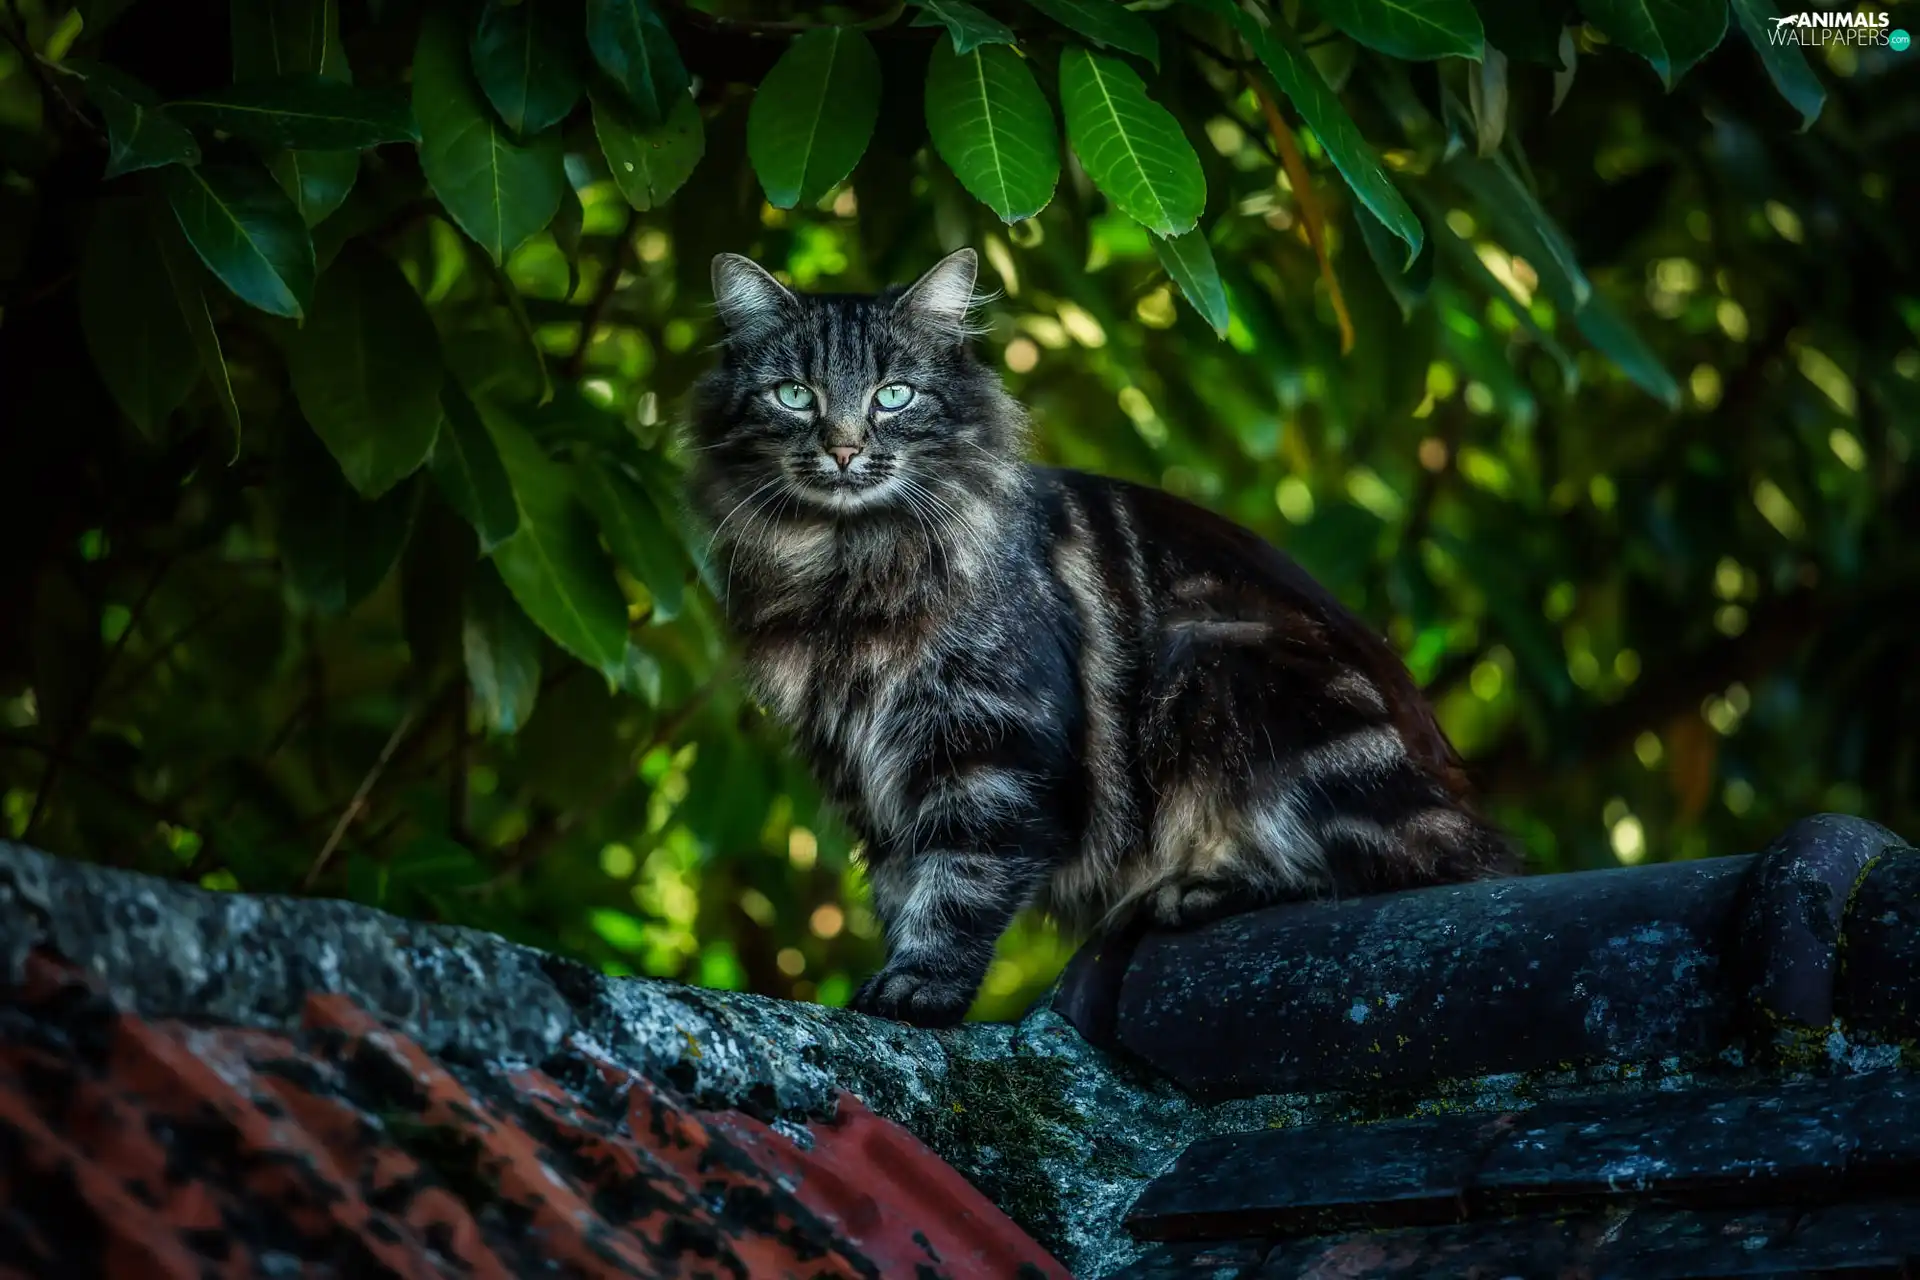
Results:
[358, 802]
[602, 295]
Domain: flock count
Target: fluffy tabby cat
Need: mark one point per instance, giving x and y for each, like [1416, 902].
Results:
[1037, 686]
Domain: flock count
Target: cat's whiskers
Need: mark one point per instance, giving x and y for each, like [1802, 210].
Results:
[968, 528]
[721, 527]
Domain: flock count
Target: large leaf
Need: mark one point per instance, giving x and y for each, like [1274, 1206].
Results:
[1413, 29]
[554, 565]
[637, 533]
[188, 282]
[1614, 338]
[649, 162]
[502, 649]
[1524, 227]
[499, 190]
[128, 315]
[248, 233]
[1320, 107]
[969, 27]
[991, 124]
[1189, 260]
[304, 112]
[524, 61]
[1105, 23]
[1786, 62]
[468, 469]
[366, 370]
[140, 134]
[631, 43]
[1670, 34]
[1129, 144]
[813, 114]
[1467, 261]
[276, 38]
[318, 182]
[1407, 282]
[335, 548]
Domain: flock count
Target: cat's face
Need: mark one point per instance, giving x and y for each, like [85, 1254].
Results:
[837, 406]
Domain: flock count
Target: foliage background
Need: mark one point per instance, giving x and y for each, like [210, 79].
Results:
[341, 547]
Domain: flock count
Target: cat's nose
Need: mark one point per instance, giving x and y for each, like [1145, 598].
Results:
[844, 454]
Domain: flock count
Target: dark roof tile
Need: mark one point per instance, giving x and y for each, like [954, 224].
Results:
[1401, 991]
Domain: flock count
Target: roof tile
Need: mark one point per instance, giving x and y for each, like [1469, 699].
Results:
[163, 1148]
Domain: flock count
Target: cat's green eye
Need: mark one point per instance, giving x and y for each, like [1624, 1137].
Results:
[793, 396]
[895, 395]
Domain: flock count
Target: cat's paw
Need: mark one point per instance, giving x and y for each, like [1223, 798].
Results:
[1187, 904]
[917, 996]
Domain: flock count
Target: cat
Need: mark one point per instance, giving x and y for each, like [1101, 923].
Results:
[1032, 686]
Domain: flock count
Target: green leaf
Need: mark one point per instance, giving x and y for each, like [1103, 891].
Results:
[129, 318]
[304, 112]
[991, 124]
[366, 370]
[502, 649]
[1524, 227]
[1418, 30]
[187, 279]
[1786, 63]
[554, 565]
[631, 43]
[1614, 338]
[649, 163]
[813, 114]
[641, 676]
[247, 232]
[1105, 23]
[1527, 30]
[1320, 108]
[500, 191]
[1129, 144]
[140, 134]
[335, 549]
[524, 62]
[1467, 260]
[637, 533]
[1670, 34]
[1407, 282]
[1189, 260]
[969, 27]
[318, 182]
[276, 38]
[468, 469]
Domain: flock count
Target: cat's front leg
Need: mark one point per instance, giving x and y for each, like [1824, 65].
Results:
[942, 912]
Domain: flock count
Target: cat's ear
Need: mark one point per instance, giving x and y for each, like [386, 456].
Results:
[941, 299]
[748, 299]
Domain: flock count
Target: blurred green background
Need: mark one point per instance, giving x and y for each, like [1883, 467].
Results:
[378, 588]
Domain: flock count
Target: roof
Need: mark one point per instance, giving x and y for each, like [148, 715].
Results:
[1757, 1017]
[1819, 1177]
[136, 1147]
[1695, 960]
[1685, 1069]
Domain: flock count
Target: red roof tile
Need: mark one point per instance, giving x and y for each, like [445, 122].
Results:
[160, 1148]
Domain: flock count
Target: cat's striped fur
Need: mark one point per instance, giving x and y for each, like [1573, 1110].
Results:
[1034, 686]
